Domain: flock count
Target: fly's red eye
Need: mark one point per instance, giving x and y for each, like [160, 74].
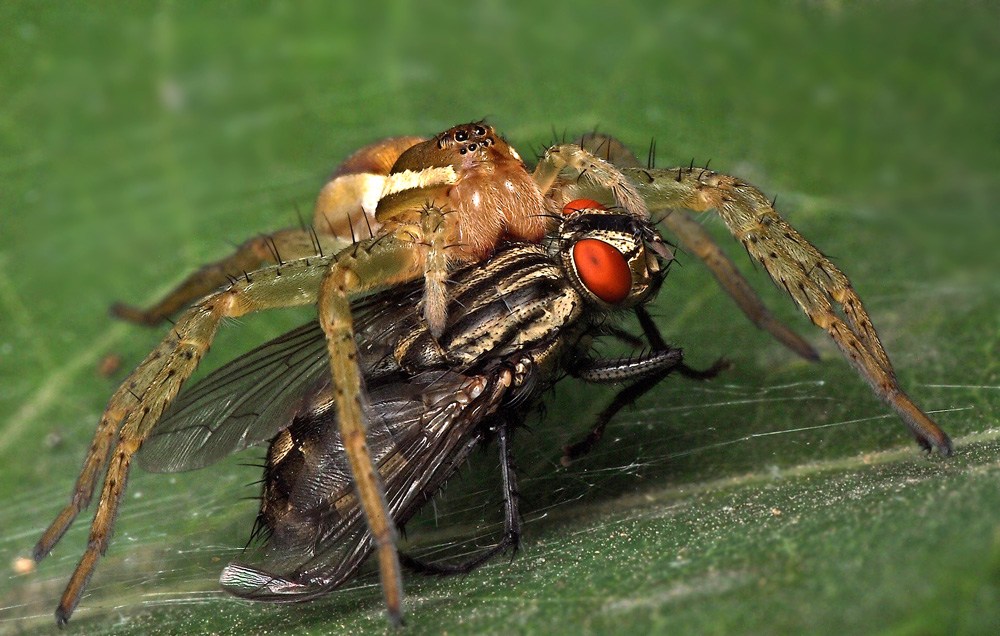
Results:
[581, 204]
[603, 270]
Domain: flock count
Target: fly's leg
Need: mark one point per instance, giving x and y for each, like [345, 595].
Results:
[136, 406]
[512, 517]
[812, 281]
[651, 369]
[593, 174]
[657, 343]
[282, 246]
[645, 371]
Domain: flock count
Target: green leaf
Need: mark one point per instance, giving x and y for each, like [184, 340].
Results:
[137, 143]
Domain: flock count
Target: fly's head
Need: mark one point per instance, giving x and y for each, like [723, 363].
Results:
[616, 260]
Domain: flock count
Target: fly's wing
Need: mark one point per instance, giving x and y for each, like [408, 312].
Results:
[424, 428]
[251, 399]
[245, 402]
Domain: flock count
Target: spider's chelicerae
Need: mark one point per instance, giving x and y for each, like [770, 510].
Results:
[423, 208]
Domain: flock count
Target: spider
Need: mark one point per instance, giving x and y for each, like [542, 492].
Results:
[430, 206]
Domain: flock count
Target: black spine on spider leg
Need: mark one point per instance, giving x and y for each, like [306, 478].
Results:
[371, 232]
[271, 245]
[330, 225]
[354, 240]
[298, 213]
[651, 156]
[315, 240]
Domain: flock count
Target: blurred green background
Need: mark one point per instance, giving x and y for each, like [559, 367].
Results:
[139, 141]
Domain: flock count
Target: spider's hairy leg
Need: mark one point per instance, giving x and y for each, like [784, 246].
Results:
[698, 241]
[377, 262]
[695, 239]
[813, 282]
[286, 245]
[135, 407]
[591, 171]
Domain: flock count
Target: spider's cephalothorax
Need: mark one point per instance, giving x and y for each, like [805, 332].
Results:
[472, 172]
[423, 208]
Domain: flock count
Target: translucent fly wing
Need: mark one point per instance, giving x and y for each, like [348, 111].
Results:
[251, 399]
[243, 403]
[426, 427]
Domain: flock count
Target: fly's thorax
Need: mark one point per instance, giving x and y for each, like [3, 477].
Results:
[515, 301]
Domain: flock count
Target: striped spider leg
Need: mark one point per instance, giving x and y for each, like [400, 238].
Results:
[815, 284]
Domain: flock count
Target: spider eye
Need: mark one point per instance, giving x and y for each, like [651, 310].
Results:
[480, 131]
[603, 270]
[472, 147]
[461, 135]
[578, 205]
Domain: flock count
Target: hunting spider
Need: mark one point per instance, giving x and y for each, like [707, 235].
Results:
[429, 206]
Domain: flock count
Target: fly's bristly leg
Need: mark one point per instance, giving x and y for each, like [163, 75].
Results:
[650, 369]
[795, 265]
[511, 538]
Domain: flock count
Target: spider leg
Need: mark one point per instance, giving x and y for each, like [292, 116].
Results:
[697, 240]
[284, 246]
[812, 281]
[593, 172]
[511, 538]
[136, 406]
[344, 212]
[385, 260]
